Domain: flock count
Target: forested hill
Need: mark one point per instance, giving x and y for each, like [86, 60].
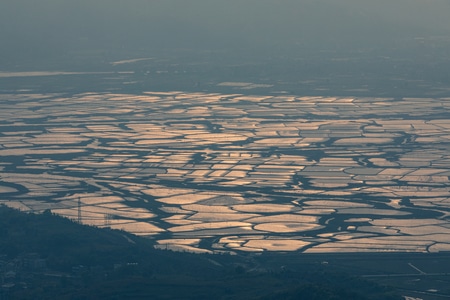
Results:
[64, 244]
[44, 256]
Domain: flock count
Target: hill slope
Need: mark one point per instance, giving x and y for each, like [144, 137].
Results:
[46, 256]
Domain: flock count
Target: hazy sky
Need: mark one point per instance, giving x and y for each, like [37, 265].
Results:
[53, 27]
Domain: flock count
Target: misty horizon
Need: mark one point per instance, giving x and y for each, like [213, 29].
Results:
[238, 28]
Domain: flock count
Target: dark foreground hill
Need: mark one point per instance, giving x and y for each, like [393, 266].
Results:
[49, 257]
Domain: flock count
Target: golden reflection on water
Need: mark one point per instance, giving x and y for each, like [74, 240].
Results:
[255, 173]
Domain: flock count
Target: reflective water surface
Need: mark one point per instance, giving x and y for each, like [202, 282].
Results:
[229, 172]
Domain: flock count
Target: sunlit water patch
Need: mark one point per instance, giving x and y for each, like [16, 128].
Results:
[228, 172]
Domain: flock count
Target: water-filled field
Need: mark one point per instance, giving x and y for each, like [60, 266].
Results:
[231, 172]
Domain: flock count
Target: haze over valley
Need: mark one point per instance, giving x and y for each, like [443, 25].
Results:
[240, 128]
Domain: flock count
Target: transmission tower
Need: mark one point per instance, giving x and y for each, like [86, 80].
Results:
[108, 218]
[79, 210]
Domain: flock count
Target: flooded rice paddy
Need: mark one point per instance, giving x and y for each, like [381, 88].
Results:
[229, 172]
